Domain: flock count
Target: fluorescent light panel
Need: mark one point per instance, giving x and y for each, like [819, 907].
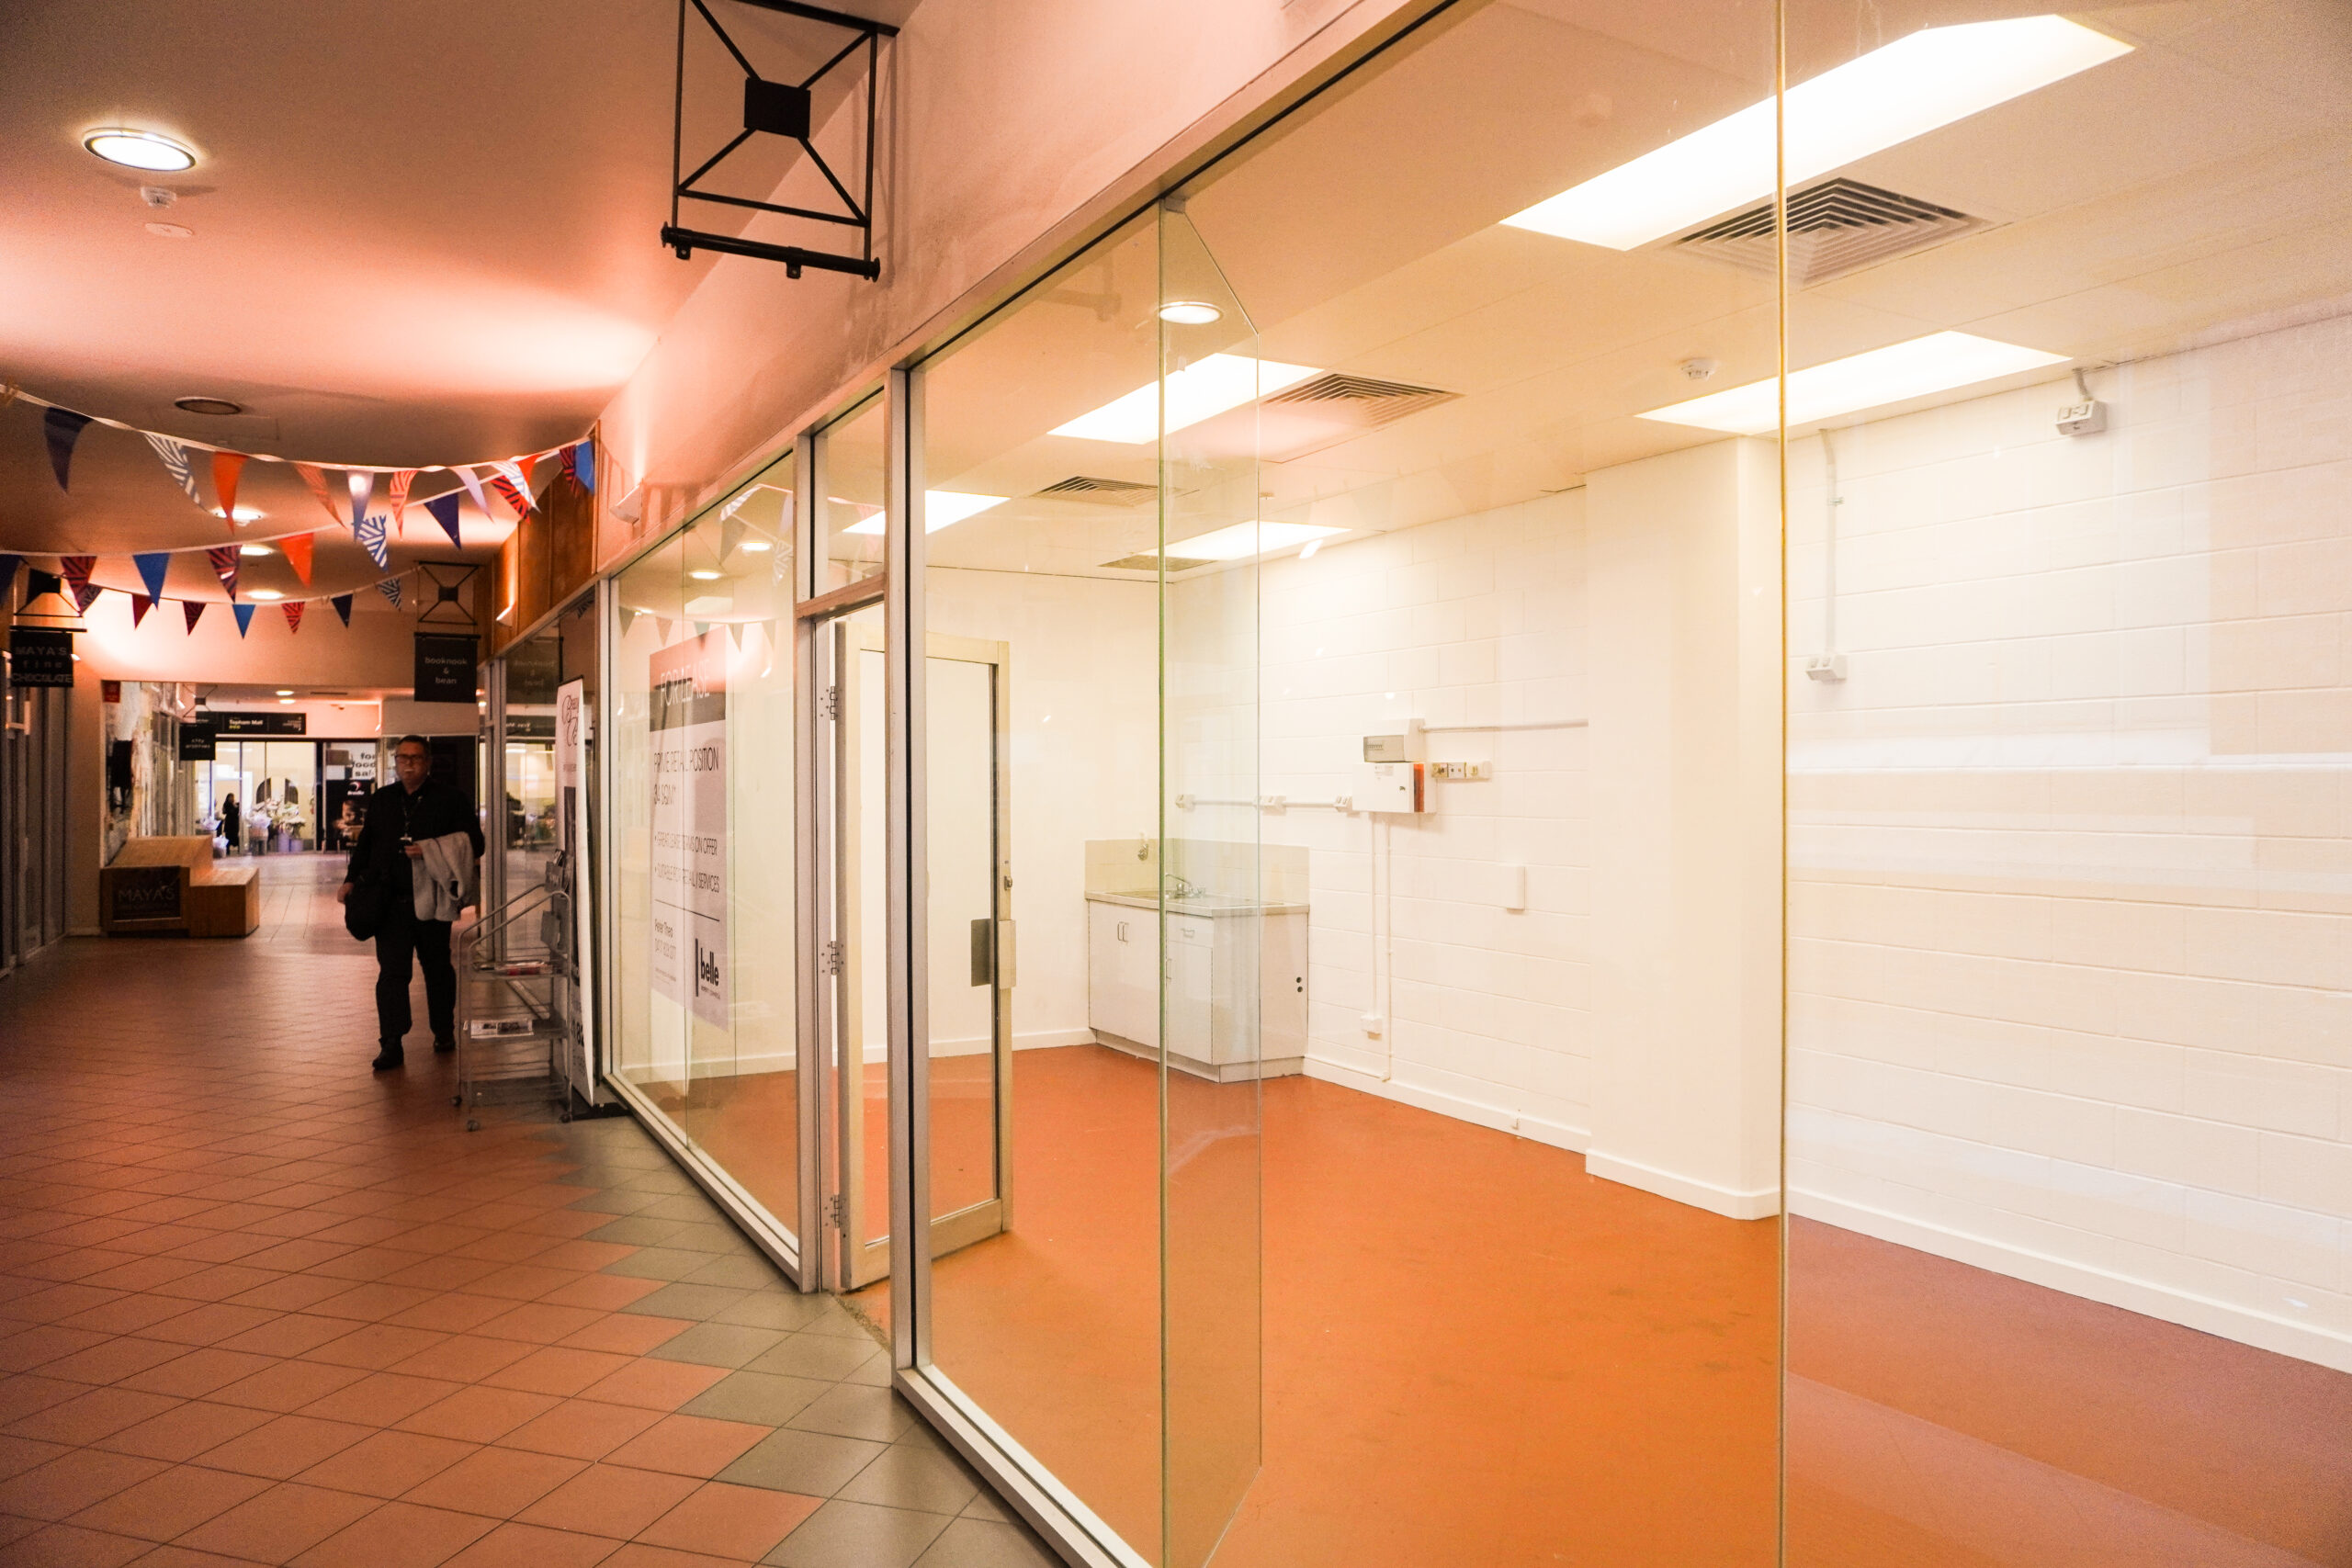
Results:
[1244, 540]
[1203, 390]
[1915, 84]
[1936, 362]
[941, 509]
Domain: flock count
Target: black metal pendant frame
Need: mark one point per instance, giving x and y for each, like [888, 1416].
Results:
[783, 109]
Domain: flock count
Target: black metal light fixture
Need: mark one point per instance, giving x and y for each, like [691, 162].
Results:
[787, 109]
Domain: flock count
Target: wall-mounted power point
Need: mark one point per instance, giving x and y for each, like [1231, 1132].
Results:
[1825, 667]
[1373, 1023]
[1462, 769]
[2085, 417]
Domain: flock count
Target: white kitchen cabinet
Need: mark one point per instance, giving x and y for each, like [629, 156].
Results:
[1217, 1026]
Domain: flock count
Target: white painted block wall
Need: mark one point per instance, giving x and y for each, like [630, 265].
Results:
[2070, 851]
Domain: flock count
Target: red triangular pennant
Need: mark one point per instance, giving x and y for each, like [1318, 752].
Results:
[293, 615]
[139, 606]
[224, 567]
[226, 466]
[315, 477]
[402, 479]
[194, 610]
[298, 555]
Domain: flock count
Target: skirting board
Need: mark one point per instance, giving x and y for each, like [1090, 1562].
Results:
[1533, 1128]
[2244, 1324]
[1756, 1204]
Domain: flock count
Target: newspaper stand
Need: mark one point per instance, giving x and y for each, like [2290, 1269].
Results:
[510, 1004]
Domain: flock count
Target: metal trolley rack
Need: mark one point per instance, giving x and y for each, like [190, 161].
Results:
[515, 990]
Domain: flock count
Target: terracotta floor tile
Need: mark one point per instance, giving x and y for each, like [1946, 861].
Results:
[68, 1546]
[18, 1455]
[169, 1505]
[730, 1521]
[440, 1239]
[216, 1324]
[582, 1255]
[185, 1432]
[225, 1246]
[371, 1303]
[607, 1292]
[637, 1555]
[388, 1463]
[292, 1292]
[380, 1399]
[452, 1311]
[465, 1357]
[160, 1275]
[626, 1333]
[181, 1557]
[194, 1373]
[582, 1428]
[499, 1482]
[563, 1223]
[654, 1385]
[113, 1361]
[287, 1385]
[525, 1281]
[286, 1519]
[689, 1445]
[290, 1334]
[399, 1534]
[479, 1415]
[220, 1282]
[127, 1315]
[363, 1264]
[72, 1481]
[286, 1446]
[610, 1500]
[507, 1246]
[376, 1347]
[540, 1323]
[99, 1413]
[26, 1393]
[530, 1546]
[36, 1347]
[558, 1371]
[441, 1273]
[296, 1255]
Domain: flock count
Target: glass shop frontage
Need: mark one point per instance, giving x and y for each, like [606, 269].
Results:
[1593, 811]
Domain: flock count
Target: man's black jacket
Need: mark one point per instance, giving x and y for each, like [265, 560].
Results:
[431, 812]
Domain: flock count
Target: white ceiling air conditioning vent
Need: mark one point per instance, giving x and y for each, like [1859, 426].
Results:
[1836, 227]
[1299, 421]
[1151, 563]
[1098, 491]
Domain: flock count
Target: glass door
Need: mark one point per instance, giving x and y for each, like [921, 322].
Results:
[852, 945]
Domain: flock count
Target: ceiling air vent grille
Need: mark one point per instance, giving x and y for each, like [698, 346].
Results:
[1098, 491]
[1836, 227]
[1331, 408]
[1151, 563]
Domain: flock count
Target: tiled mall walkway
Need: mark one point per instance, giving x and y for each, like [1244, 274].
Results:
[260, 1305]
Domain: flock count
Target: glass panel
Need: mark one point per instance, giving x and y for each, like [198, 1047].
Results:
[849, 512]
[648, 1023]
[2070, 741]
[534, 669]
[1481, 720]
[1039, 600]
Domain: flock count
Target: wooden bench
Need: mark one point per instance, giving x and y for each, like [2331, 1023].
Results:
[173, 884]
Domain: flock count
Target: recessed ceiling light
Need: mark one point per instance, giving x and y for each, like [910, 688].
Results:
[138, 148]
[171, 231]
[1936, 362]
[206, 405]
[285, 702]
[941, 509]
[704, 576]
[756, 546]
[244, 514]
[263, 593]
[285, 691]
[1201, 391]
[1911, 86]
[1190, 312]
[254, 550]
[1244, 540]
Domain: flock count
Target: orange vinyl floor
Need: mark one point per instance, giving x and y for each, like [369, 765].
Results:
[1475, 1353]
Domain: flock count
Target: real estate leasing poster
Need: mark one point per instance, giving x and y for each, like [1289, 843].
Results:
[689, 745]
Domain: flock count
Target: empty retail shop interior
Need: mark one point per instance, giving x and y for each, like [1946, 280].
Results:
[1550, 784]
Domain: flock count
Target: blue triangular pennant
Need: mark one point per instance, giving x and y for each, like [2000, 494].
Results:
[445, 511]
[152, 567]
[244, 613]
[61, 428]
[391, 588]
[371, 537]
[342, 602]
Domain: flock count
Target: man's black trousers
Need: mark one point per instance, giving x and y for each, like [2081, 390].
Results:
[401, 935]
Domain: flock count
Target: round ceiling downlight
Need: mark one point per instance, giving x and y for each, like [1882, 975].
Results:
[208, 405]
[1190, 312]
[139, 150]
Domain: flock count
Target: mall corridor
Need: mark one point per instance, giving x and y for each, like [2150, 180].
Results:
[260, 1306]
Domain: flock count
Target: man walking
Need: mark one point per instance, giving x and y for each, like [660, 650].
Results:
[401, 819]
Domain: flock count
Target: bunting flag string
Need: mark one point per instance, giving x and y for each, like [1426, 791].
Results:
[293, 615]
[402, 479]
[224, 567]
[342, 602]
[443, 509]
[60, 428]
[570, 458]
[77, 571]
[363, 496]
[152, 567]
[512, 488]
[391, 588]
[298, 555]
[176, 460]
[314, 475]
[194, 610]
[244, 613]
[371, 530]
[226, 468]
[139, 606]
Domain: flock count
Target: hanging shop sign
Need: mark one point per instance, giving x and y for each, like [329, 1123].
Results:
[198, 743]
[444, 667]
[259, 722]
[38, 655]
[688, 724]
